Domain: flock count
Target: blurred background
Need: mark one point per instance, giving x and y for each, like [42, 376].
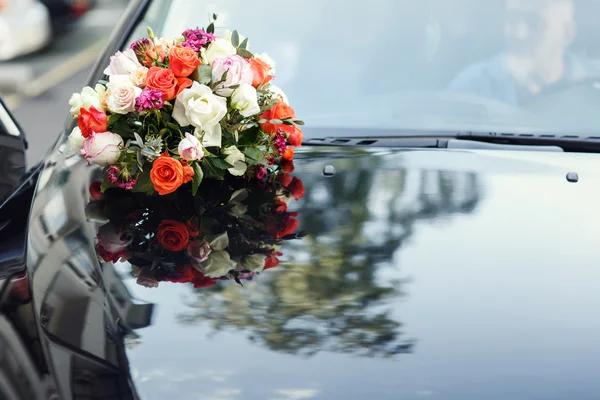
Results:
[47, 48]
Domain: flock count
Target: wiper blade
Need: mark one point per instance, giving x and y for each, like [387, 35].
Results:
[471, 140]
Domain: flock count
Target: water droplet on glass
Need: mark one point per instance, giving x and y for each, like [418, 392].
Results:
[329, 170]
[572, 177]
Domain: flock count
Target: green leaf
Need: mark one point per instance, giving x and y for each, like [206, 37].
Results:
[173, 126]
[249, 136]
[299, 122]
[244, 53]
[253, 153]
[204, 74]
[144, 184]
[106, 184]
[218, 242]
[113, 118]
[140, 160]
[244, 44]
[219, 163]
[212, 172]
[197, 178]
[235, 38]
[210, 28]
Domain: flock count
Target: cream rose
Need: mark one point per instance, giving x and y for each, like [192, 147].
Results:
[218, 48]
[138, 77]
[122, 63]
[121, 94]
[236, 158]
[236, 71]
[87, 98]
[76, 139]
[199, 107]
[245, 100]
[103, 148]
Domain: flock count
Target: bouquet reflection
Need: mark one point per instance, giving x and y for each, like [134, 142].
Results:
[231, 229]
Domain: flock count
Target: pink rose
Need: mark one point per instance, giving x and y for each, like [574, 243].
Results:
[123, 63]
[199, 250]
[190, 148]
[111, 239]
[238, 71]
[102, 148]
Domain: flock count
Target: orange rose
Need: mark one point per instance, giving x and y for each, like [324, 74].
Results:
[188, 172]
[279, 111]
[166, 174]
[91, 120]
[296, 137]
[164, 80]
[156, 53]
[289, 154]
[183, 61]
[260, 72]
[173, 235]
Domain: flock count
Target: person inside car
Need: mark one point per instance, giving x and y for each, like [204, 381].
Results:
[538, 35]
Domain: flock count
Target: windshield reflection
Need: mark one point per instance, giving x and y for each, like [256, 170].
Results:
[500, 65]
[332, 294]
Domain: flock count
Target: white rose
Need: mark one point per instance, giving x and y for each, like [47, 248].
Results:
[102, 148]
[236, 158]
[75, 139]
[218, 48]
[237, 71]
[121, 94]
[87, 98]
[122, 63]
[169, 41]
[279, 93]
[254, 262]
[190, 148]
[199, 107]
[218, 264]
[245, 100]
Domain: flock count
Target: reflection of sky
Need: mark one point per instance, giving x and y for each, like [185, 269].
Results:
[497, 313]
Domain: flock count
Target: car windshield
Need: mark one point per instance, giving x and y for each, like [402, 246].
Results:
[493, 65]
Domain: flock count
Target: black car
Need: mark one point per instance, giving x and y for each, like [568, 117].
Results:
[64, 13]
[449, 251]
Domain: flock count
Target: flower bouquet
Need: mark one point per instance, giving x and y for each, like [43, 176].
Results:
[194, 139]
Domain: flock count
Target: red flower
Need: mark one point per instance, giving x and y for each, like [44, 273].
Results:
[296, 137]
[95, 191]
[201, 280]
[289, 154]
[296, 188]
[279, 111]
[272, 261]
[285, 179]
[188, 172]
[193, 231]
[91, 120]
[173, 235]
[184, 274]
[287, 165]
[288, 227]
[108, 256]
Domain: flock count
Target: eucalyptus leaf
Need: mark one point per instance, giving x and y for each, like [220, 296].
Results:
[197, 178]
[244, 44]
[235, 38]
[204, 74]
[138, 139]
[244, 53]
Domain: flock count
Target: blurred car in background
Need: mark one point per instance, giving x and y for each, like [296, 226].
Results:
[64, 13]
[24, 27]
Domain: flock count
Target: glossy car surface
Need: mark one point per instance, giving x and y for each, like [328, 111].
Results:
[424, 273]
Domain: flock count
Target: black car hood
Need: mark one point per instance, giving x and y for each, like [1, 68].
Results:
[423, 274]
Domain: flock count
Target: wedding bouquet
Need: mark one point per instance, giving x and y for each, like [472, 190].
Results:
[197, 145]
[177, 110]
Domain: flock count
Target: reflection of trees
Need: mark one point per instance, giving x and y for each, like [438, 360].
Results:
[328, 296]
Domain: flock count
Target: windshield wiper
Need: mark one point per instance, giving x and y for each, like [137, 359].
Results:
[470, 140]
